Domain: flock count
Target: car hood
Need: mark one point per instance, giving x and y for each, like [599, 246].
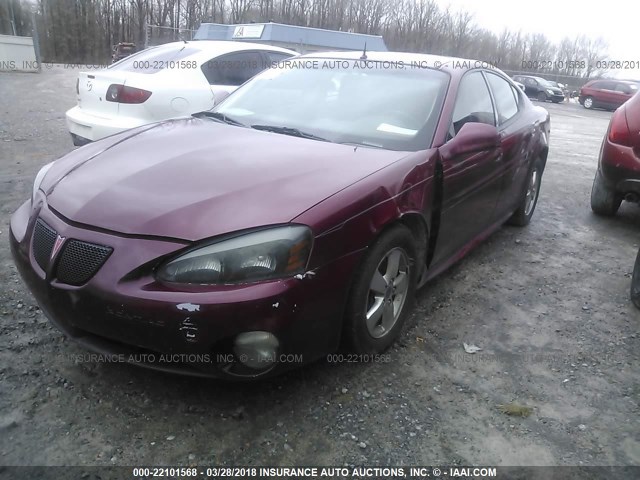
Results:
[195, 178]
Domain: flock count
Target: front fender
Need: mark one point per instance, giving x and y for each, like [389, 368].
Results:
[353, 218]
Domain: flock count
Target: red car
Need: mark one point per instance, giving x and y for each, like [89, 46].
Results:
[618, 174]
[303, 211]
[607, 94]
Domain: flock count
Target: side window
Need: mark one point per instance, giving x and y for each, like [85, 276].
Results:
[473, 103]
[503, 94]
[607, 86]
[531, 82]
[597, 85]
[621, 87]
[234, 68]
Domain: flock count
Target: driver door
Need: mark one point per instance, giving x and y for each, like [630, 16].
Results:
[471, 181]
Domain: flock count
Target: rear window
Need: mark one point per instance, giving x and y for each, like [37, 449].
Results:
[234, 68]
[156, 59]
[275, 57]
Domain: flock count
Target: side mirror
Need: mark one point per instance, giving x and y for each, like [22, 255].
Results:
[472, 137]
[219, 97]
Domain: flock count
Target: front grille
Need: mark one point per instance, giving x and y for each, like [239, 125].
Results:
[79, 261]
[43, 239]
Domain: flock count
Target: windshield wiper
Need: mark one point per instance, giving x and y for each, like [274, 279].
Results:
[294, 132]
[362, 144]
[222, 117]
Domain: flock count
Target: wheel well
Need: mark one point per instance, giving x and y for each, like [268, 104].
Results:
[544, 153]
[418, 227]
[419, 230]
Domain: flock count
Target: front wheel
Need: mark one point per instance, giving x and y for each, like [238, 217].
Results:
[382, 293]
[635, 283]
[588, 103]
[604, 200]
[542, 97]
[522, 216]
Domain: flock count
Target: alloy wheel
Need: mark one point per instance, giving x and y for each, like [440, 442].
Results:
[388, 291]
[532, 192]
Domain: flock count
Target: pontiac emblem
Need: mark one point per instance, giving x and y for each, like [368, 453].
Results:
[56, 246]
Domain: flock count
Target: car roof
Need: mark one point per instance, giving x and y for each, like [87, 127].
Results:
[225, 46]
[614, 80]
[203, 50]
[520, 75]
[453, 65]
[199, 51]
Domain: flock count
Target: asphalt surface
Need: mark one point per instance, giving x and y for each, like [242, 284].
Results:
[548, 304]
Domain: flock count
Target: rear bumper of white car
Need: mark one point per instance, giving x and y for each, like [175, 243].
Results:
[85, 128]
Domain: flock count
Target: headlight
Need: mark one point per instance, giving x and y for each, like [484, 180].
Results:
[39, 177]
[550, 92]
[266, 254]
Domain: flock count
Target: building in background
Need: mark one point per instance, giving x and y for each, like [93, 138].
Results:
[300, 39]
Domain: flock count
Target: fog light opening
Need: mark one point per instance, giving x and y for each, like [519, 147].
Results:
[256, 350]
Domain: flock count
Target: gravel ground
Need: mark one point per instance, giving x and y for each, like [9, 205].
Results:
[548, 304]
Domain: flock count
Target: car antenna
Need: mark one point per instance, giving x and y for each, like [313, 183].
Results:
[364, 52]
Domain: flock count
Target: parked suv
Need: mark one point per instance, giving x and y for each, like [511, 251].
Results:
[618, 174]
[540, 89]
[607, 94]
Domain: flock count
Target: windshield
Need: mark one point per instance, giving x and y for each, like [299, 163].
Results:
[377, 104]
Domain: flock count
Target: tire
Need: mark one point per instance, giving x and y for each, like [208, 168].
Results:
[529, 199]
[557, 101]
[386, 306]
[542, 97]
[604, 200]
[635, 283]
[588, 103]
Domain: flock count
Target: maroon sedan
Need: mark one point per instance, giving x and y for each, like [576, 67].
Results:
[303, 212]
[618, 174]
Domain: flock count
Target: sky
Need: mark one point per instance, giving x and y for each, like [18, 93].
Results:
[616, 21]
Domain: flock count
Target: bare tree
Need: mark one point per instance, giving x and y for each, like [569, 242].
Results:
[85, 30]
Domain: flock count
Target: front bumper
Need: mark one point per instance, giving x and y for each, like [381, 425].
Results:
[89, 128]
[123, 311]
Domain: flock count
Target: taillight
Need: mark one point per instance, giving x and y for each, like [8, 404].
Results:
[619, 130]
[124, 94]
[77, 86]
